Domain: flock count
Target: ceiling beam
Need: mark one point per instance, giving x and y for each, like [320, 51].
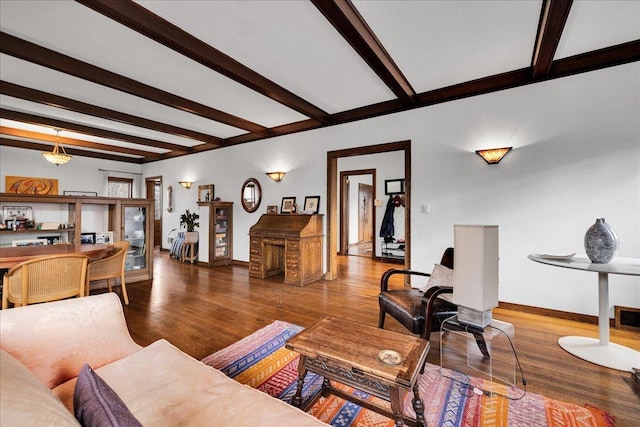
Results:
[8, 142]
[139, 19]
[590, 61]
[612, 56]
[552, 20]
[344, 16]
[38, 136]
[45, 98]
[19, 48]
[88, 130]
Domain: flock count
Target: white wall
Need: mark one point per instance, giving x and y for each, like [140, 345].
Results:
[576, 157]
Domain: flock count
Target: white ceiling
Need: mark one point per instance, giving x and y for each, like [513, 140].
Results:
[291, 45]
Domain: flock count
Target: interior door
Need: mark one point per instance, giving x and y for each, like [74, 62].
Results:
[365, 213]
[154, 191]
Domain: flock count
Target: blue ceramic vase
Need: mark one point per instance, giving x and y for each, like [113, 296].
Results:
[601, 242]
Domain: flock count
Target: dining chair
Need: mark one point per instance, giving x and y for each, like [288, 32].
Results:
[46, 278]
[111, 267]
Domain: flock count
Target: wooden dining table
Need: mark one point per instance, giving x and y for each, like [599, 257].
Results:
[10, 257]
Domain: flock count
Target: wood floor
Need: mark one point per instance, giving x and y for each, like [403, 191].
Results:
[201, 310]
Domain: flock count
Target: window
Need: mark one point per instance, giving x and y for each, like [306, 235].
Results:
[120, 187]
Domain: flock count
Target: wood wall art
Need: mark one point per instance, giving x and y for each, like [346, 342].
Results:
[30, 185]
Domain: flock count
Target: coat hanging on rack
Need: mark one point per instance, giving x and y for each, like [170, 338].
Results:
[387, 228]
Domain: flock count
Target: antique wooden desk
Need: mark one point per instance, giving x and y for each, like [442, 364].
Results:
[348, 352]
[287, 243]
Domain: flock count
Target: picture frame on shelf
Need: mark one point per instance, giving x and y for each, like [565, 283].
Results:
[288, 205]
[105, 237]
[311, 204]
[28, 242]
[272, 210]
[51, 240]
[80, 193]
[87, 238]
[206, 193]
[17, 212]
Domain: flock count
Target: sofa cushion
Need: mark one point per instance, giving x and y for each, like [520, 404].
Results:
[96, 404]
[25, 401]
[161, 385]
[55, 339]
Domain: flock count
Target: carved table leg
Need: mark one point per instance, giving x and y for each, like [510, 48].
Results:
[396, 406]
[302, 372]
[418, 406]
[326, 387]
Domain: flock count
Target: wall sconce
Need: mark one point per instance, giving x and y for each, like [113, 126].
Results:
[186, 184]
[276, 176]
[493, 155]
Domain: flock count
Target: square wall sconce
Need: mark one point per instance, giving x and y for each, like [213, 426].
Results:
[186, 184]
[493, 155]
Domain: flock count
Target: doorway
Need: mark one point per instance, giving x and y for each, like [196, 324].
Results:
[332, 198]
[357, 216]
[154, 191]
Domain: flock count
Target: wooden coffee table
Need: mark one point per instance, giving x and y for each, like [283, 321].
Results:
[349, 352]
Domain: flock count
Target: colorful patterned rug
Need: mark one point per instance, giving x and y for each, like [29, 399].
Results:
[261, 361]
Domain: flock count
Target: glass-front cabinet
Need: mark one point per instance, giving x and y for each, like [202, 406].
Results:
[135, 218]
[219, 233]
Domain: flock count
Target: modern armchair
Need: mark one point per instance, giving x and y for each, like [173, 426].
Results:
[42, 279]
[421, 313]
[109, 268]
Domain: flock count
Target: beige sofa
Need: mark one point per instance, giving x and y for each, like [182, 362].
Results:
[44, 347]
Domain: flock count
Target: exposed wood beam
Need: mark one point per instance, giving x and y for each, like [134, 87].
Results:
[21, 133]
[138, 18]
[552, 20]
[590, 61]
[351, 25]
[88, 130]
[595, 60]
[73, 151]
[34, 95]
[19, 48]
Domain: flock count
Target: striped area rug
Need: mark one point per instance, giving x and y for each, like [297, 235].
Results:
[261, 361]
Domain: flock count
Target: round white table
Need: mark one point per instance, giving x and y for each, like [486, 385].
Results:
[599, 351]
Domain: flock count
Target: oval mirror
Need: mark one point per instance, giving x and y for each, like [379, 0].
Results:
[251, 195]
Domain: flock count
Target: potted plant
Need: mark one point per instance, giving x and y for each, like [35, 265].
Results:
[190, 220]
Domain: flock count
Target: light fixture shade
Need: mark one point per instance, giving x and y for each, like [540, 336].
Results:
[276, 176]
[186, 184]
[493, 155]
[475, 272]
[56, 156]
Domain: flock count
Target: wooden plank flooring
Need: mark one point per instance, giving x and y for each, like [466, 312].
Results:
[201, 310]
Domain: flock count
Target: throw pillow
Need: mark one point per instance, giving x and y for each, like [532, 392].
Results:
[96, 404]
[440, 276]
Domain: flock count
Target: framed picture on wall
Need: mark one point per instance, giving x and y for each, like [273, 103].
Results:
[287, 205]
